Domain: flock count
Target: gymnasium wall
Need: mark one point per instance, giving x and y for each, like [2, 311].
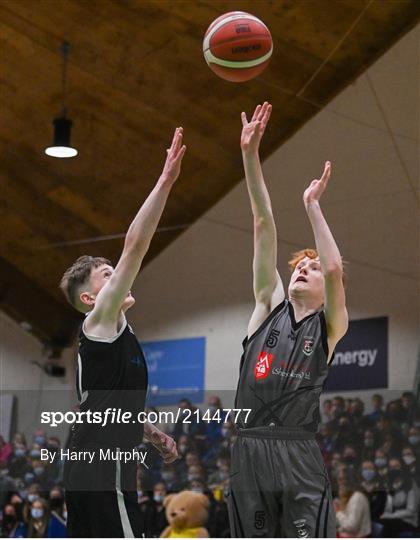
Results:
[35, 391]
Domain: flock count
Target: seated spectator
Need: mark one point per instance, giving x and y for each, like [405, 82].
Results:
[326, 414]
[11, 526]
[375, 491]
[377, 406]
[7, 484]
[352, 507]
[58, 516]
[411, 463]
[18, 461]
[381, 463]
[38, 519]
[414, 441]
[326, 441]
[153, 519]
[6, 450]
[221, 474]
[17, 502]
[19, 438]
[367, 452]
[410, 407]
[400, 518]
[350, 456]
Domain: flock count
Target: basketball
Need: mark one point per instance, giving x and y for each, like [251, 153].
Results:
[237, 46]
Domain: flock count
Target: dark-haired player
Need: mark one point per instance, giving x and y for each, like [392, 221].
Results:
[101, 495]
[279, 485]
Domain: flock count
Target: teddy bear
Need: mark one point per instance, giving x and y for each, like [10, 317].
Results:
[186, 513]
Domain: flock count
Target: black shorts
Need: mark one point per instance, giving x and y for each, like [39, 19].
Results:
[279, 486]
[101, 499]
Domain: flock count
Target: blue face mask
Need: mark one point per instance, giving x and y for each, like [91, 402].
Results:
[20, 452]
[40, 440]
[32, 497]
[29, 478]
[39, 470]
[37, 513]
[35, 453]
[368, 475]
[380, 462]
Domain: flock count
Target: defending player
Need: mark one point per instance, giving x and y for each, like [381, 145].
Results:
[101, 496]
[279, 484]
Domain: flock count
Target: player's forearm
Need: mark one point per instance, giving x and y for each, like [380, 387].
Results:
[258, 194]
[149, 430]
[144, 225]
[329, 254]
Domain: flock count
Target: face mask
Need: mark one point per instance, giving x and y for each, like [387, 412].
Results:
[167, 476]
[56, 502]
[197, 490]
[139, 493]
[368, 443]
[223, 475]
[32, 497]
[29, 478]
[368, 475]
[225, 432]
[182, 448]
[19, 452]
[35, 453]
[192, 477]
[397, 485]
[39, 440]
[158, 498]
[39, 470]
[414, 440]
[3, 473]
[380, 462]
[8, 521]
[37, 513]
[409, 460]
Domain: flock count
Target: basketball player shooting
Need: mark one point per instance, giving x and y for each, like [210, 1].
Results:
[101, 495]
[279, 484]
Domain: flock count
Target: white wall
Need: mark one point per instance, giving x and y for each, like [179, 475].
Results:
[201, 285]
[35, 391]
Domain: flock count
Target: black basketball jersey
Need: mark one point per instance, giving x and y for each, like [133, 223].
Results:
[111, 373]
[283, 369]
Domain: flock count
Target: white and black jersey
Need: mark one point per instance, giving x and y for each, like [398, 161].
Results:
[283, 371]
[111, 374]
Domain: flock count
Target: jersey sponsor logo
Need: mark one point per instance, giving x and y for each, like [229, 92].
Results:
[301, 530]
[292, 374]
[262, 367]
[273, 338]
[308, 345]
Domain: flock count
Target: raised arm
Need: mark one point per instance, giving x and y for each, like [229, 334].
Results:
[139, 235]
[268, 287]
[330, 260]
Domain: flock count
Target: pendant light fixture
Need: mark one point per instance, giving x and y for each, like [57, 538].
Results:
[61, 147]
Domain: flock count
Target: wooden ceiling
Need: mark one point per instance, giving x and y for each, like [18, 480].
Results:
[136, 71]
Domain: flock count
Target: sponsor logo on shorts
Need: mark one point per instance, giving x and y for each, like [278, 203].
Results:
[308, 345]
[262, 367]
[301, 530]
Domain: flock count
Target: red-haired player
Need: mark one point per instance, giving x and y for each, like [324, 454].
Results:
[279, 485]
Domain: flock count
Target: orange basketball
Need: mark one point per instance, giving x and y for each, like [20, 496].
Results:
[237, 46]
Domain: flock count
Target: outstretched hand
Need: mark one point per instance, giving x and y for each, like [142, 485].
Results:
[174, 157]
[253, 131]
[317, 187]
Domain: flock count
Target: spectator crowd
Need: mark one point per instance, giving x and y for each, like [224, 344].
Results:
[373, 462]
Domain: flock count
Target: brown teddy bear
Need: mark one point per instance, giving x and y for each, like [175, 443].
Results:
[186, 513]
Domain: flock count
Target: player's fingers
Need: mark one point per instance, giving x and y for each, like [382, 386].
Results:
[327, 172]
[256, 113]
[244, 119]
[263, 110]
[180, 153]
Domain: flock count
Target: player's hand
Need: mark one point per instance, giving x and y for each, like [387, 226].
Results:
[317, 187]
[174, 157]
[166, 446]
[253, 131]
